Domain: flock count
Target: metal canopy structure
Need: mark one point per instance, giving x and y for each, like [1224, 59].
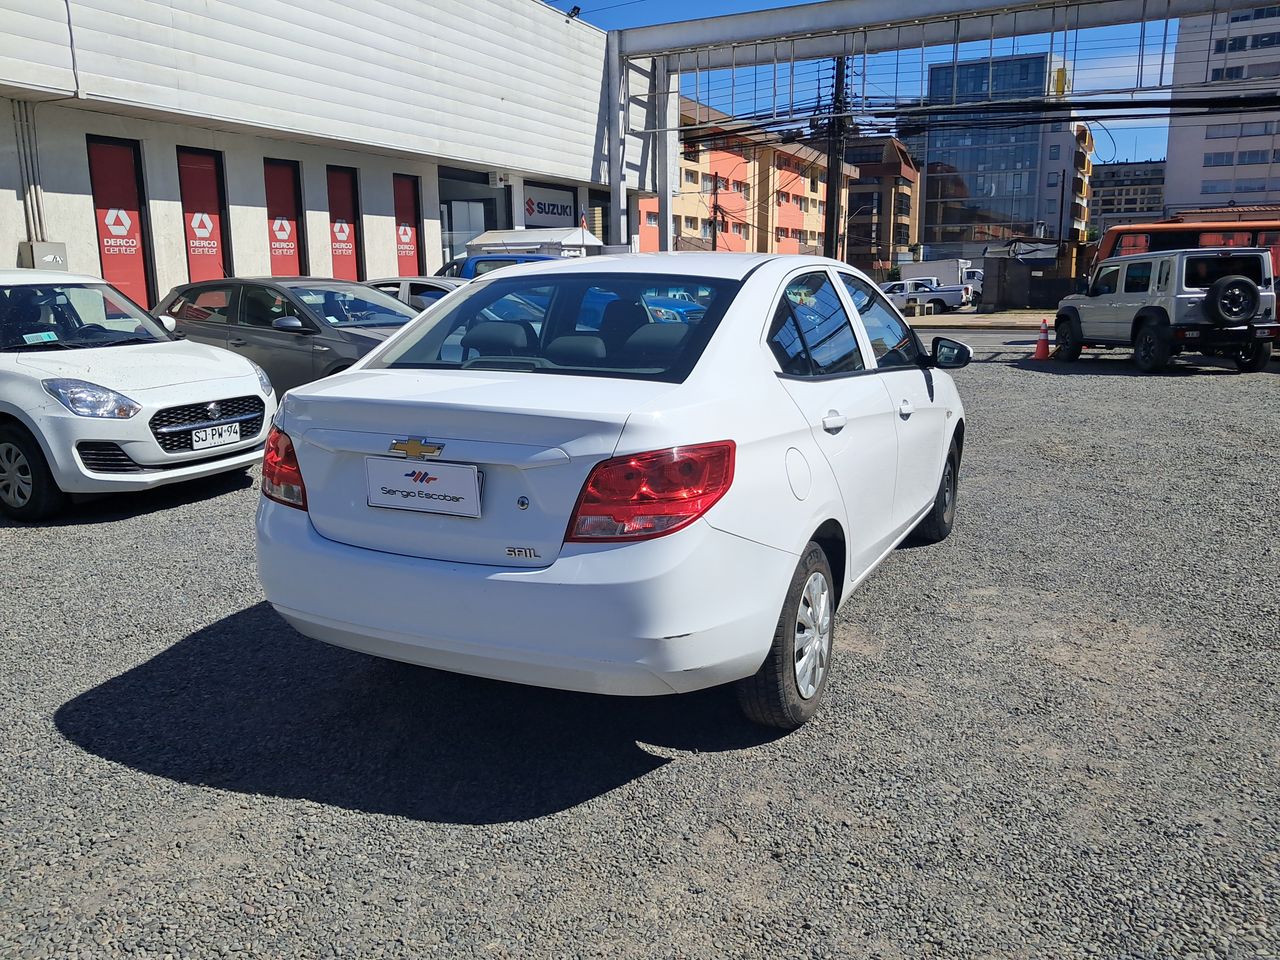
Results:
[660, 54]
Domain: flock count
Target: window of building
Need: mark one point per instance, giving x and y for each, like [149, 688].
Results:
[1226, 73]
[691, 223]
[1253, 156]
[822, 207]
[691, 176]
[1053, 178]
[1055, 150]
[1215, 186]
[813, 183]
[1051, 204]
[675, 226]
[746, 189]
[1258, 128]
[783, 197]
[1229, 45]
[708, 183]
[706, 230]
[651, 219]
[692, 151]
[1252, 185]
[1260, 40]
[1222, 159]
[1056, 127]
[1269, 69]
[780, 233]
[1017, 183]
[901, 234]
[803, 203]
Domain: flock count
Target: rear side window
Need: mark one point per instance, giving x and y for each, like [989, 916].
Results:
[1162, 279]
[211, 305]
[1137, 278]
[1201, 272]
[811, 333]
[628, 325]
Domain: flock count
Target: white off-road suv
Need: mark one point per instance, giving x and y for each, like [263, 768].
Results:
[1217, 301]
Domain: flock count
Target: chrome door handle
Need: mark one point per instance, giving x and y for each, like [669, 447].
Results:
[905, 409]
[319, 347]
[237, 342]
[834, 421]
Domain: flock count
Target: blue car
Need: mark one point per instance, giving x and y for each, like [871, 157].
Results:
[468, 268]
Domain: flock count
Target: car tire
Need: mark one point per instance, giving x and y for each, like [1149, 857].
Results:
[1069, 339]
[1255, 357]
[1152, 347]
[937, 524]
[778, 695]
[1231, 301]
[939, 306]
[28, 492]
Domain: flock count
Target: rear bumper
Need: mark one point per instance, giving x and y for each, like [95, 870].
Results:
[671, 615]
[1206, 337]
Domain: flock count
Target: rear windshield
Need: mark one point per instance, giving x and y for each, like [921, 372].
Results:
[1203, 271]
[629, 325]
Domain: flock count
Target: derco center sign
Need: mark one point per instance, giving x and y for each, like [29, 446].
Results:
[544, 207]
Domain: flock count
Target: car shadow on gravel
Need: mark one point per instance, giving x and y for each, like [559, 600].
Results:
[111, 507]
[1122, 366]
[248, 704]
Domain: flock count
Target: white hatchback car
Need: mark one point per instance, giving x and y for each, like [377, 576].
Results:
[95, 397]
[606, 497]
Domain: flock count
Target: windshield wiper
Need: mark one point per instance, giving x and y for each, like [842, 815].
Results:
[116, 343]
[40, 345]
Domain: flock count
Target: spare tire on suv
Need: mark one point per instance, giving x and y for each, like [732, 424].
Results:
[1232, 300]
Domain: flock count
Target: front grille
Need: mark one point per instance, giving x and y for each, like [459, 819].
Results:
[104, 457]
[172, 427]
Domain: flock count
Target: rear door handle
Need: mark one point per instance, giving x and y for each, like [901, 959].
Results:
[237, 342]
[834, 421]
[905, 409]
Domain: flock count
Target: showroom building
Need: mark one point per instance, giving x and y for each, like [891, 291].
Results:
[155, 142]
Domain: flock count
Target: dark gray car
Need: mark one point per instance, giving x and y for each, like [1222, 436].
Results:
[418, 292]
[298, 329]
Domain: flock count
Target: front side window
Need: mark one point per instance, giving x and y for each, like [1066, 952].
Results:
[629, 326]
[1137, 277]
[352, 305]
[892, 341]
[811, 334]
[261, 307]
[59, 316]
[1106, 282]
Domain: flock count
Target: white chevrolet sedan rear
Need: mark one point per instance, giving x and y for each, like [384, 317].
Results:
[637, 475]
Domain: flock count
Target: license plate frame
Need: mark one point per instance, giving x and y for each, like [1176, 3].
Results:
[206, 438]
[394, 484]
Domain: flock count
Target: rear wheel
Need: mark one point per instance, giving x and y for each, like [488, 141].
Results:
[1152, 347]
[27, 488]
[1070, 339]
[1255, 357]
[786, 690]
[939, 306]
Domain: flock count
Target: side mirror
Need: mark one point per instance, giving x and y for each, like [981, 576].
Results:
[950, 354]
[168, 322]
[1082, 286]
[292, 324]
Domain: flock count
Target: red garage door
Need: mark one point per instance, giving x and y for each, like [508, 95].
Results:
[408, 217]
[204, 213]
[115, 177]
[344, 224]
[285, 237]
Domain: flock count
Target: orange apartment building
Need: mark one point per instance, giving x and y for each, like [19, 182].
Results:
[737, 193]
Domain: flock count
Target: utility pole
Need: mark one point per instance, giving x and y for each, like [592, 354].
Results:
[715, 213]
[835, 164]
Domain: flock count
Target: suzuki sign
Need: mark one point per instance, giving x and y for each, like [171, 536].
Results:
[547, 207]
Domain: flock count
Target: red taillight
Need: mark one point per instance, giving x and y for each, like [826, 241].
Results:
[281, 475]
[650, 494]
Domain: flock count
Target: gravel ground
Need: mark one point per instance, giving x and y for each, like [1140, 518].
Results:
[1054, 735]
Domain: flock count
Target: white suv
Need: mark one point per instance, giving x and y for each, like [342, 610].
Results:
[95, 397]
[1218, 301]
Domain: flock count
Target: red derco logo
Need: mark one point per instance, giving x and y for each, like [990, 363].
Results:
[530, 207]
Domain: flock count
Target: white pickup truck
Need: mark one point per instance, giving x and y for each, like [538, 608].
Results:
[943, 298]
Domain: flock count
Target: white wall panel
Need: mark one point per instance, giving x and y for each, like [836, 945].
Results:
[501, 84]
[12, 220]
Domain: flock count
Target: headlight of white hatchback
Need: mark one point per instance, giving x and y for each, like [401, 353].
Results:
[263, 379]
[86, 399]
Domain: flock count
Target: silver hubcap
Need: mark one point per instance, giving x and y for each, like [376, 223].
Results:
[813, 635]
[948, 492]
[15, 476]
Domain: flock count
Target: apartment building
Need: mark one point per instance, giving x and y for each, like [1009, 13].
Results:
[1232, 158]
[741, 192]
[1130, 192]
[880, 214]
[993, 176]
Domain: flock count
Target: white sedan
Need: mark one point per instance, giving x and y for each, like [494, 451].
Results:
[95, 397]
[595, 500]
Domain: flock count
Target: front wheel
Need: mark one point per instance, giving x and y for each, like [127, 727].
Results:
[1152, 347]
[28, 491]
[1070, 340]
[937, 524]
[786, 690]
[1255, 357]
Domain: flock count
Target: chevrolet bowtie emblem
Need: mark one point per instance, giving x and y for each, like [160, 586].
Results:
[416, 449]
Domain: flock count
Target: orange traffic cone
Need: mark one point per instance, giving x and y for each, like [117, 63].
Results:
[1042, 345]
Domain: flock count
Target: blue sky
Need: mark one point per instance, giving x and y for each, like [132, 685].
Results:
[1103, 59]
